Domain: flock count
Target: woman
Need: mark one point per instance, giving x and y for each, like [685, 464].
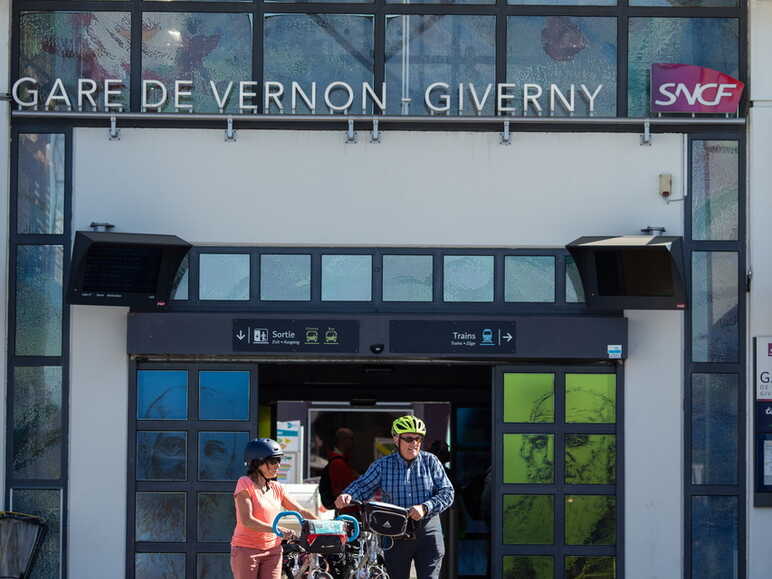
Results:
[255, 550]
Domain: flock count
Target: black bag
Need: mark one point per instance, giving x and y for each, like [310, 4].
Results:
[385, 519]
[325, 485]
[323, 536]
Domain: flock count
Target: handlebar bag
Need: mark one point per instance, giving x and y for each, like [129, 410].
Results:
[386, 519]
[323, 536]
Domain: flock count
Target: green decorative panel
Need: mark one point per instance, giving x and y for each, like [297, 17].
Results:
[591, 567]
[591, 520]
[529, 519]
[529, 458]
[591, 398]
[590, 459]
[529, 398]
[532, 567]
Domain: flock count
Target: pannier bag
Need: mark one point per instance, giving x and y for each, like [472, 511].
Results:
[385, 519]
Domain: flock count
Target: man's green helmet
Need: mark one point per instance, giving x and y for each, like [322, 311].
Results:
[408, 425]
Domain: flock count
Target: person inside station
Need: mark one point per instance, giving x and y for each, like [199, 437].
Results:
[340, 472]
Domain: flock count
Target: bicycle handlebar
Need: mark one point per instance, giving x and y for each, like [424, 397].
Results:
[299, 517]
[353, 521]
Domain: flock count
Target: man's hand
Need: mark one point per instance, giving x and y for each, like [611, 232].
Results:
[342, 501]
[417, 512]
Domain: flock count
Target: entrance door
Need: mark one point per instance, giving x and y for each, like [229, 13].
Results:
[555, 489]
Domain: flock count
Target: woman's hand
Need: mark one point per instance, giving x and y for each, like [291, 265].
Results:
[287, 534]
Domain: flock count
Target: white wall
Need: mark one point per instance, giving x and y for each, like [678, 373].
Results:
[98, 442]
[653, 447]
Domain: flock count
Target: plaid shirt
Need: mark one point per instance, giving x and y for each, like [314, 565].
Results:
[420, 482]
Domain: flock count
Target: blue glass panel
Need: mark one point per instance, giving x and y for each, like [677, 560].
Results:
[223, 395]
[565, 51]
[678, 40]
[715, 176]
[213, 565]
[424, 49]
[160, 517]
[162, 395]
[46, 503]
[715, 536]
[223, 276]
[39, 300]
[468, 278]
[159, 566]
[473, 427]
[407, 278]
[529, 278]
[347, 278]
[162, 455]
[285, 277]
[216, 516]
[472, 557]
[320, 48]
[198, 47]
[715, 295]
[714, 428]
[40, 196]
[221, 455]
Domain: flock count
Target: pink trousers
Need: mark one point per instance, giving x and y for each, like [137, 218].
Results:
[256, 563]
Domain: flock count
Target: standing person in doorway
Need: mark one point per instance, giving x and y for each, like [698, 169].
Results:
[415, 480]
[255, 549]
[341, 473]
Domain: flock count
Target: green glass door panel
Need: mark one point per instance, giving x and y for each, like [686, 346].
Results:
[591, 567]
[532, 567]
[529, 519]
[590, 459]
[529, 458]
[591, 520]
[529, 398]
[591, 398]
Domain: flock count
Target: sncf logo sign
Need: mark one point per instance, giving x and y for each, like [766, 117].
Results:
[685, 88]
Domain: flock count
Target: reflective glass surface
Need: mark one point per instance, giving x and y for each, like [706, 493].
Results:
[531, 566]
[528, 519]
[39, 271]
[160, 517]
[454, 49]
[162, 455]
[473, 427]
[40, 195]
[595, 567]
[223, 395]
[591, 520]
[320, 48]
[715, 536]
[37, 422]
[216, 516]
[221, 455]
[678, 40]
[285, 277]
[198, 47]
[468, 278]
[684, 3]
[472, 557]
[563, 51]
[529, 458]
[73, 45]
[213, 565]
[182, 280]
[407, 278]
[159, 566]
[715, 183]
[574, 287]
[715, 295]
[46, 503]
[590, 459]
[714, 428]
[347, 278]
[162, 395]
[591, 398]
[529, 278]
[224, 276]
[529, 397]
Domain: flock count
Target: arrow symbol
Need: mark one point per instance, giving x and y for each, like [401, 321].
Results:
[507, 337]
[241, 335]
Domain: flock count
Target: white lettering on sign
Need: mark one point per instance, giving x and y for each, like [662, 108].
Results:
[763, 369]
[671, 91]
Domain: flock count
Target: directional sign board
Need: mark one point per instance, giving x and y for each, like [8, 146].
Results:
[430, 337]
[309, 336]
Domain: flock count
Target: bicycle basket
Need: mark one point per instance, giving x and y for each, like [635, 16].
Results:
[20, 539]
[385, 519]
[319, 536]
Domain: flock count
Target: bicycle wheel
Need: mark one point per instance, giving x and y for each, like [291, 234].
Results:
[378, 573]
[320, 575]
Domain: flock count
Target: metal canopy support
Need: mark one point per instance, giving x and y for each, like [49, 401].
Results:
[351, 134]
[506, 135]
[646, 136]
[114, 133]
[230, 133]
[375, 135]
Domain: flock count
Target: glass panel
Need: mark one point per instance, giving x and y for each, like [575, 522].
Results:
[213, 565]
[472, 557]
[678, 40]
[39, 300]
[529, 458]
[224, 276]
[40, 196]
[564, 52]
[182, 280]
[216, 516]
[347, 278]
[714, 429]
[46, 503]
[715, 293]
[198, 47]
[223, 396]
[160, 517]
[529, 278]
[162, 455]
[285, 277]
[533, 567]
[221, 455]
[424, 49]
[162, 395]
[468, 278]
[529, 519]
[591, 459]
[591, 398]
[591, 520]
[320, 48]
[159, 566]
[574, 287]
[73, 45]
[690, 3]
[595, 567]
[473, 427]
[715, 183]
[37, 423]
[407, 278]
[529, 398]
[715, 532]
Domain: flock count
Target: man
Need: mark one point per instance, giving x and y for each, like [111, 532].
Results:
[340, 471]
[415, 480]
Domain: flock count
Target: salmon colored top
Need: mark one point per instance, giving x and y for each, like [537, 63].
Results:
[265, 506]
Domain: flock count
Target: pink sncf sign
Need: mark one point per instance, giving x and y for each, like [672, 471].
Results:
[685, 88]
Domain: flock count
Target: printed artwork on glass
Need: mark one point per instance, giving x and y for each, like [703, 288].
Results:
[529, 278]
[285, 277]
[40, 191]
[715, 169]
[46, 503]
[529, 458]
[468, 278]
[213, 565]
[590, 520]
[181, 280]
[347, 278]
[531, 566]
[574, 287]
[715, 400]
[160, 516]
[590, 458]
[159, 566]
[714, 305]
[407, 278]
[528, 519]
[39, 271]
[529, 397]
[216, 516]
[223, 395]
[715, 537]
[223, 276]
[591, 398]
[162, 455]
[595, 567]
[221, 455]
[162, 395]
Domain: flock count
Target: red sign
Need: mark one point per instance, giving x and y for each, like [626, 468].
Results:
[685, 88]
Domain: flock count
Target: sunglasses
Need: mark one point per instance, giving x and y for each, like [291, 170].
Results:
[273, 460]
[411, 439]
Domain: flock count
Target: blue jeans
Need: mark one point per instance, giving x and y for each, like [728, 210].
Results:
[427, 549]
